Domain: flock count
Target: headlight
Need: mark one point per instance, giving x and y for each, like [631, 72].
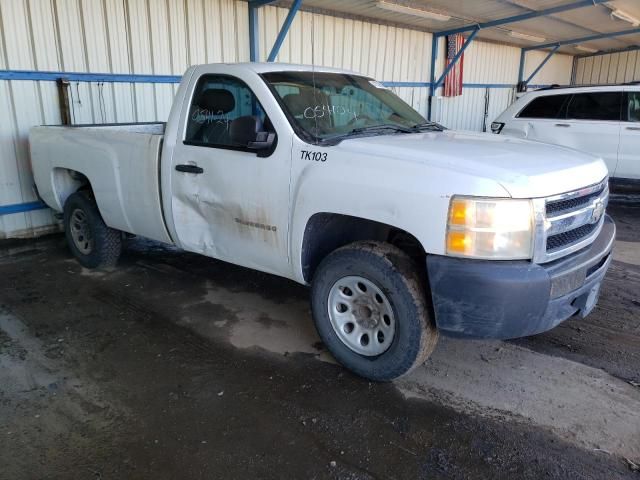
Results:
[498, 229]
[496, 127]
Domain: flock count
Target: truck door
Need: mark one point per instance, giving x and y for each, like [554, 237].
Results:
[629, 158]
[229, 202]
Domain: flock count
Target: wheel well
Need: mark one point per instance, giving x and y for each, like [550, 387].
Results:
[69, 181]
[326, 232]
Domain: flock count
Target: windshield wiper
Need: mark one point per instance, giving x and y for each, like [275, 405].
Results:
[427, 126]
[380, 128]
[387, 127]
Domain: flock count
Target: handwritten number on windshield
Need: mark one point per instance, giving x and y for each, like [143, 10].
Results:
[320, 111]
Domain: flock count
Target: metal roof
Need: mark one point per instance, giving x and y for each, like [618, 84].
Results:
[557, 27]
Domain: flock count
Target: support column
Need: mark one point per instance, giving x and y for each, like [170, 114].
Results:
[542, 64]
[284, 30]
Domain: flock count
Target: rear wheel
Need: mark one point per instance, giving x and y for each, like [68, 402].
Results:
[91, 241]
[370, 309]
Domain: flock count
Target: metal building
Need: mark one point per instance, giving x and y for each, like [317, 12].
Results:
[122, 59]
[615, 67]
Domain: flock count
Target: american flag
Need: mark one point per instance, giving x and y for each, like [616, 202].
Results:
[453, 80]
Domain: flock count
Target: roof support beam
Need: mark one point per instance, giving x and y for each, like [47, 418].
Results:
[456, 58]
[542, 64]
[434, 53]
[523, 16]
[432, 79]
[588, 38]
[284, 30]
[254, 31]
[474, 29]
[523, 53]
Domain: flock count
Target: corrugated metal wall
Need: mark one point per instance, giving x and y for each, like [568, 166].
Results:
[497, 65]
[383, 52]
[160, 37]
[557, 70]
[111, 36]
[491, 64]
[612, 68]
[484, 63]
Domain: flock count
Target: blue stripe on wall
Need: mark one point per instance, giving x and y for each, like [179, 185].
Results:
[87, 77]
[406, 84]
[136, 78]
[22, 207]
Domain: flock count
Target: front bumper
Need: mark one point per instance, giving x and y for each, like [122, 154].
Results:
[510, 299]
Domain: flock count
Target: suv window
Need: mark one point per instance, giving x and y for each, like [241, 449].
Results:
[548, 106]
[219, 100]
[633, 106]
[595, 106]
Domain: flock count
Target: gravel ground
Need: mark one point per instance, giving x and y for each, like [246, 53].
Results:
[178, 366]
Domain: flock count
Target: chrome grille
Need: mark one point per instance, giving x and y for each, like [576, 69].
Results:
[557, 206]
[572, 236]
[568, 222]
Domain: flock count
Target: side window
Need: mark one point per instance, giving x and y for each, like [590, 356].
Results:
[633, 106]
[548, 106]
[223, 112]
[595, 106]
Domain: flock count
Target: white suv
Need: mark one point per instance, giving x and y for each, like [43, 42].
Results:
[601, 120]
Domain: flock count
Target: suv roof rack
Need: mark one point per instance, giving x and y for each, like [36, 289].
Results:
[551, 87]
[555, 85]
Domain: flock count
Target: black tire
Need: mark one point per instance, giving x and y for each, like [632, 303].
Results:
[396, 275]
[105, 246]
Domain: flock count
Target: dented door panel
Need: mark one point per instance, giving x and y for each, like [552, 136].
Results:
[235, 210]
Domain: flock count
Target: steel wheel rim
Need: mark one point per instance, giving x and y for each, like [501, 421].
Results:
[81, 231]
[361, 315]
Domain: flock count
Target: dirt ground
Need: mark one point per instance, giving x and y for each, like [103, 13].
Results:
[178, 366]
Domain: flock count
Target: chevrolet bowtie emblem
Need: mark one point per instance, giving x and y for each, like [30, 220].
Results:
[598, 211]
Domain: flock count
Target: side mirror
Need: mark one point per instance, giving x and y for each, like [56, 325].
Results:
[248, 130]
[263, 141]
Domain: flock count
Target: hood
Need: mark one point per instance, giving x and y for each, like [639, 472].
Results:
[525, 168]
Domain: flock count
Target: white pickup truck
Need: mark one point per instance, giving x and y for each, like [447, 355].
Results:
[403, 229]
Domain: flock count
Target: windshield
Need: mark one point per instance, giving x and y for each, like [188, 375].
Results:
[331, 106]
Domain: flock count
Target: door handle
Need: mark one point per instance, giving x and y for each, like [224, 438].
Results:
[633, 128]
[189, 169]
[562, 125]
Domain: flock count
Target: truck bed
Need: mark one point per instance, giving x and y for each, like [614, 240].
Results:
[121, 162]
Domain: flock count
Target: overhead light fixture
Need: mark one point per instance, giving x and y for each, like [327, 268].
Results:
[525, 36]
[627, 17]
[416, 12]
[586, 49]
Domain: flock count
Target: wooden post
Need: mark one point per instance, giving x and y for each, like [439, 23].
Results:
[63, 97]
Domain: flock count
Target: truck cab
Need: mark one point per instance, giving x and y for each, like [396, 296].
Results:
[402, 228]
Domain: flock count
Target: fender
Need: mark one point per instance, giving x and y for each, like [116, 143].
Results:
[400, 194]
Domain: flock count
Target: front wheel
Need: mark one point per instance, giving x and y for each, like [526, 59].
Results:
[91, 241]
[370, 309]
